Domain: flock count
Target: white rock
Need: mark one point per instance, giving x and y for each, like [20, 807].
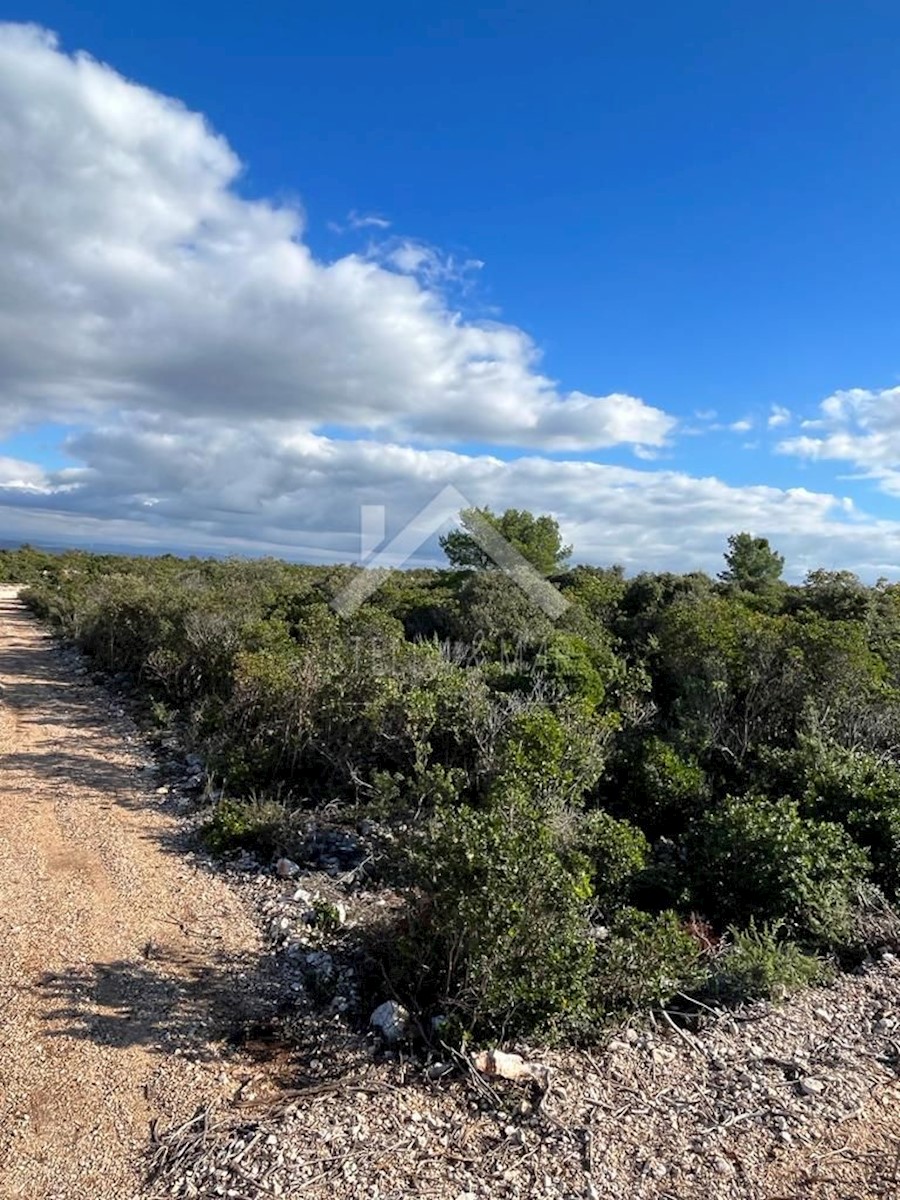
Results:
[391, 1020]
[511, 1066]
[286, 868]
[810, 1086]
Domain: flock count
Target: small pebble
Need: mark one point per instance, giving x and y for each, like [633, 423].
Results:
[810, 1086]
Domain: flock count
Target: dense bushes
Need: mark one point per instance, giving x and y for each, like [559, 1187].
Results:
[681, 785]
[754, 858]
[644, 960]
[617, 852]
[498, 933]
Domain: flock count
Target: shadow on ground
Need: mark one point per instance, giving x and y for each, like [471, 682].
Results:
[226, 1004]
[40, 689]
[162, 1003]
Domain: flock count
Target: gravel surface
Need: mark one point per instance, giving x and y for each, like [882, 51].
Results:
[174, 1026]
[119, 959]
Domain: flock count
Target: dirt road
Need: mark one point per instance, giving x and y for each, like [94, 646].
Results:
[117, 957]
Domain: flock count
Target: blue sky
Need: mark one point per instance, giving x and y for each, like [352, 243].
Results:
[692, 207]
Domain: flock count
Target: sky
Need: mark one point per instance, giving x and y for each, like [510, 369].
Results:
[635, 266]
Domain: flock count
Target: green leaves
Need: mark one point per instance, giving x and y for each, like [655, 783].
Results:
[564, 804]
[751, 563]
[537, 539]
[617, 852]
[759, 859]
[758, 964]
[498, 928]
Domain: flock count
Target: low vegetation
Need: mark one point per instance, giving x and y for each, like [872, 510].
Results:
[683, 786]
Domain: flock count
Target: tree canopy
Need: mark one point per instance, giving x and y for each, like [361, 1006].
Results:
[752, 564]
[537, 539]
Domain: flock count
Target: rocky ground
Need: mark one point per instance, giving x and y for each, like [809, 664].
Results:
[800, 1101]
[171, 1025]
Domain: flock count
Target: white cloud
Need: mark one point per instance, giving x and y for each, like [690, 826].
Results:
[743, 426]
[779, 416]
[133, 275]
[194, 482]
[367, 221]
[428, 264]
[21, 476]
[857, 426]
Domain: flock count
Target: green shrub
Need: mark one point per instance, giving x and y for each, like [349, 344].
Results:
[617, 853]
[862, 792]
[398, 796]
[329, 717]
[644, 961]
[755, 858]
[576, 665]
[257, 825]
[656, 787]
[328, 915]
[555, 756]
[497, 934]
[596, 591]
[497, 619]
[757, 964]
[535, 776]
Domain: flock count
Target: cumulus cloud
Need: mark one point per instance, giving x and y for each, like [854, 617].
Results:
[133, 274]
[192, 482]
[779, 416]
[859, 427]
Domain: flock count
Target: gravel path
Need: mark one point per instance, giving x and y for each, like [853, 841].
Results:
[118, 959]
